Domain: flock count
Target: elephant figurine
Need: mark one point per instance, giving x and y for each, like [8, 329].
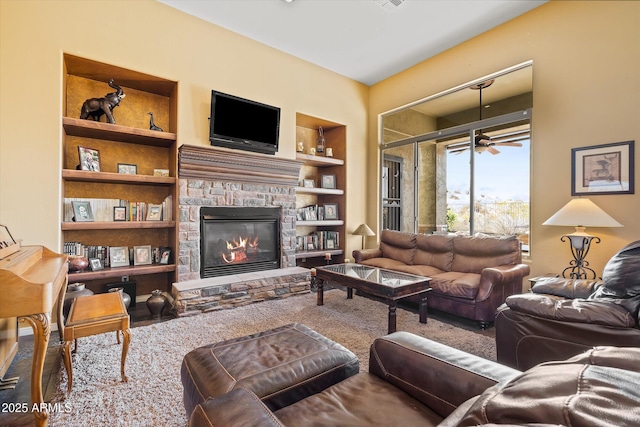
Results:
[96, 107]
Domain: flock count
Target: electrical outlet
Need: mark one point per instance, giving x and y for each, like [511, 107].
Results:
[125, 279]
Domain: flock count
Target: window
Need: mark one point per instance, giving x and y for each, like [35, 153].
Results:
[432, 181]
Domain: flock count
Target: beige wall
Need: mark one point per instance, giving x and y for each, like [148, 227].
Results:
[149, 37]
[586, 91]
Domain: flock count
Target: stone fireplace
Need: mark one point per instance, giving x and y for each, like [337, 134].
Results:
[214, 183]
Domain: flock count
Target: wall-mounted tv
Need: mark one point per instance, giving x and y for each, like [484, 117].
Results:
[243, 124]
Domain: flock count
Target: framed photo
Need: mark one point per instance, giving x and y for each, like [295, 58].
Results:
[142, 255]
[331, 244]
[95, 264]
[154, 212]
[161, 172]
[165, 255]
[330, 211]
[119, 256]
[308, 183]
[119, 213]
[328, 181]
[127, 168]
[89, 159]
[603, 169]
[82, 211]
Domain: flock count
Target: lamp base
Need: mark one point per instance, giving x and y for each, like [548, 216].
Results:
[579, 243]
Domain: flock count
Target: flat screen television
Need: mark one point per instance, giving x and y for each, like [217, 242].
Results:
[243, 124]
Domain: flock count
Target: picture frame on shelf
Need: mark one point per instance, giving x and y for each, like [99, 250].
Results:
[154, 212]
[89, 159]
[161, 172]
[127, 169]
[330, 244]
[119, 256]
[603, 169]
[142, 255]
[308, 183]
[95, 264]
[165, 256]
[328, 181]
[82, 211]
[119, 213]
[330, 211]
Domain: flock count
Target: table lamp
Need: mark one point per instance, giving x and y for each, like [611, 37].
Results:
[364, 231]
[580, 213]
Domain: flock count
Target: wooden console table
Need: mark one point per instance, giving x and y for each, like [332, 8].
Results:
[33, 281]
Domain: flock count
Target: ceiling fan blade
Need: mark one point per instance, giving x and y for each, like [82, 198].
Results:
[508, 144]
[493, 150]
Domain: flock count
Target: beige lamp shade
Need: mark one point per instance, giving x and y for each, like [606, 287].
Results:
[582, 213]
[364, 231]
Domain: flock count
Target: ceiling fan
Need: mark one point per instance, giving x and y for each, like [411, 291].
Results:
[482, 141]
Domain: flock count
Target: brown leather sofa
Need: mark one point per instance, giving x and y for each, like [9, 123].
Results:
[414, 381]
[470, 276]
[563, 317]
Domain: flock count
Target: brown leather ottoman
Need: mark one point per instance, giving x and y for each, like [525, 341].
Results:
[281, 366]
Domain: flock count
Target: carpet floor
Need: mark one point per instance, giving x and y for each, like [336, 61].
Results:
[153, 394]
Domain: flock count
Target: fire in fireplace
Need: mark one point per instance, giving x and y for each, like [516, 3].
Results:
[237, 240]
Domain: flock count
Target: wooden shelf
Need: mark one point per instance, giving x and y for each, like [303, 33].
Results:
[328, 223]
[320, 191]
[317, 254]
[117, 178]
[99, 130]
[319, 161]
[116, 225]
[120, 271]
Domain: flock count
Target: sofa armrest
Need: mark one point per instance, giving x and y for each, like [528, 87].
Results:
[598, 312]
[437, 375]
[567, 288]
[360, 255]
[491, 277]
[239, 407]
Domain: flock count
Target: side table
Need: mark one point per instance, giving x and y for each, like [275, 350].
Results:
[92, 315]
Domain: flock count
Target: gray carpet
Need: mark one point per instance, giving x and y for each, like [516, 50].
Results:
[153, 394]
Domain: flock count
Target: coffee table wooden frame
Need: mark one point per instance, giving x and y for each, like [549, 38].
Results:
[389, 292]
[92, 315]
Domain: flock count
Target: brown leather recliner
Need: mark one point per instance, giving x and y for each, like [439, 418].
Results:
[563, 317]
[413, 381]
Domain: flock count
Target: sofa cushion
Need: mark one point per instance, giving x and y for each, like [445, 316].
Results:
[419, 270]
[568, 288]
[621, 275]
[434, 250]
[455, 284]
[397, 245]
[596, 388]
[473, 253]
[361, 400]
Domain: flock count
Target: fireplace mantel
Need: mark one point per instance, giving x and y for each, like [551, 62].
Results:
[213, 163]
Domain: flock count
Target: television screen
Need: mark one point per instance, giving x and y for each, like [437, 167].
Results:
[243, 124]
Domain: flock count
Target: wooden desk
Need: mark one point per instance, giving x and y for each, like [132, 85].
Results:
[92, 315]
[33, 280]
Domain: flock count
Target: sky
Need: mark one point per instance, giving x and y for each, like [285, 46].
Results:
[499, 177]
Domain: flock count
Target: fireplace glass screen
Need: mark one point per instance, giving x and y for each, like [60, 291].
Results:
[239, 240]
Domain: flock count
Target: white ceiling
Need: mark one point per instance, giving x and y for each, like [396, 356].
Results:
[360, 39]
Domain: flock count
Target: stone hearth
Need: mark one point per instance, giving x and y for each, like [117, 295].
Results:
[216, 177]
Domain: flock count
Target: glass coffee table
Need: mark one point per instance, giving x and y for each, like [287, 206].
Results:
[387, 286]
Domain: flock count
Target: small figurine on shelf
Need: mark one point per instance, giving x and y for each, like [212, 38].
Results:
[300, 146]
[97, 107]
[320, 143]
[152, 125]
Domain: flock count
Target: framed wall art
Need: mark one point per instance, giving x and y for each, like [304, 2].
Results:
[603, 169]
